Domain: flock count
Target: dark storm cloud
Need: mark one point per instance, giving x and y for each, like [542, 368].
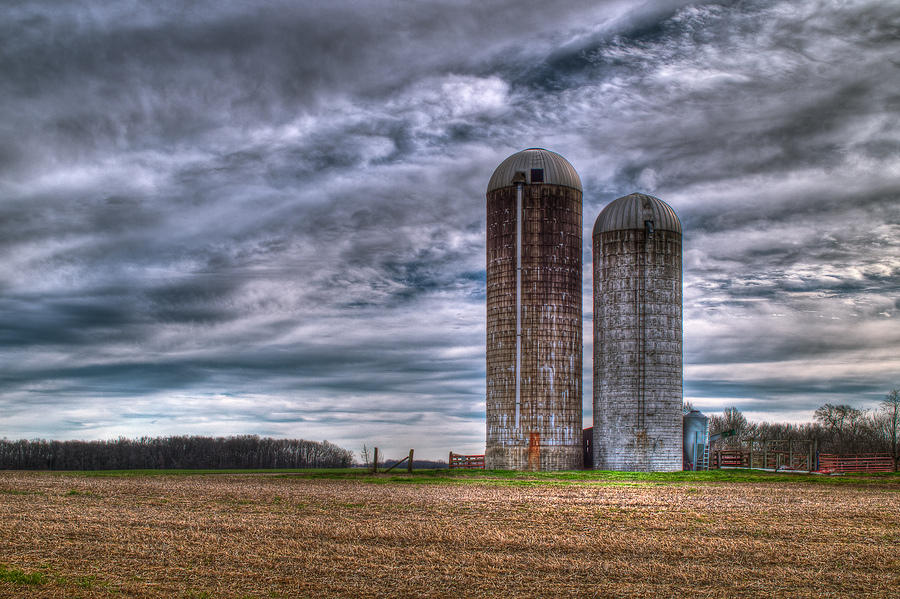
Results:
[224, 218]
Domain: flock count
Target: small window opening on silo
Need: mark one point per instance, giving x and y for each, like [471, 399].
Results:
[648, 225]
[537, 175]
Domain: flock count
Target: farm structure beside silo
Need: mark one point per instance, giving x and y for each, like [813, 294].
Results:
[534, 314]
[637, 307]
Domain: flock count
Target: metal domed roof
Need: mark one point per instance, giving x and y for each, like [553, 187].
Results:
[696, 414]
[631, 211]
[556, 169]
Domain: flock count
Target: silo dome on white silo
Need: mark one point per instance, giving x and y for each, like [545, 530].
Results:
[633, 211]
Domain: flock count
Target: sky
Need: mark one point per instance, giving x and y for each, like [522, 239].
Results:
[268, 218]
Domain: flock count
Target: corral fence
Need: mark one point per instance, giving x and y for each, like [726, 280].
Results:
[799, 456]
[860, 462]
[775, 460]
[467, 462]
[729, 458]
[768, 454]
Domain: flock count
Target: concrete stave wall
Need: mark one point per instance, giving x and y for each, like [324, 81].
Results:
[544, 433]
[637, 350]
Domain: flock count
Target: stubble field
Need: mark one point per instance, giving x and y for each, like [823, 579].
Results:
[258, 535]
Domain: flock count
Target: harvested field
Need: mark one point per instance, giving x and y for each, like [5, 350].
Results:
[256, 535]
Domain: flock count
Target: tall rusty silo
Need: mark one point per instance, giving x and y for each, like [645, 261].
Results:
[637, 336]
[534, 339]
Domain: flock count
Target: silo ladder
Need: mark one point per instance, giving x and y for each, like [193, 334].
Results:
[703, 458]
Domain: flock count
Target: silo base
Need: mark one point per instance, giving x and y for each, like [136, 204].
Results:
[629, 460]
[535, 458]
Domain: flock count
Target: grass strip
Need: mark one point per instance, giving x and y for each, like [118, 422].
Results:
[591, 477]
[20, 577]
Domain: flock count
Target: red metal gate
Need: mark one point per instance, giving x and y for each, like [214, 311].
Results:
[469, 462]
[860, 462]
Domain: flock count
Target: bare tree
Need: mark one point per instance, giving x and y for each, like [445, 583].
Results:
[731, 419]
[891, 407]
[364, 454]
[244, 451]
[844, 423]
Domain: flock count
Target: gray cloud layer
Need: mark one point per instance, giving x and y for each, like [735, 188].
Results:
[269, 219]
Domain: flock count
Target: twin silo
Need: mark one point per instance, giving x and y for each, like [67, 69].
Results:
[534, 318]
[637, 336]
[534, 345]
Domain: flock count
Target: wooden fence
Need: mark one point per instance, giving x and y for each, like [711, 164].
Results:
[769, 460]
[468, 462]
[730, 458]
[768, 454]
[780, 460]
[861, 462]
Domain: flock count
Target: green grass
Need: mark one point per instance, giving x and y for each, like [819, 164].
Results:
[195, 472]
[86, 582]
[598, 477]
[19, 492]
[82, 582]
[19, 577]
[516, 478]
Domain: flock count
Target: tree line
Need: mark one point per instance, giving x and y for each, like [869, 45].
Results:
[838, 428]
[243, 451]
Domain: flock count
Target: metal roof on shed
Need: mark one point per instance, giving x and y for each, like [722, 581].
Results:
[557, 170]
[631, 211]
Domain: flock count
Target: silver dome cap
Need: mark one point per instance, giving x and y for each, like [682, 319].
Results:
[631, 211]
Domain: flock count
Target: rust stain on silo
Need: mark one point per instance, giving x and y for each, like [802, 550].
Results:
[534, 451]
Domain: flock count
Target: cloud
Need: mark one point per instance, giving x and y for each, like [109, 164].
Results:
[223, 219]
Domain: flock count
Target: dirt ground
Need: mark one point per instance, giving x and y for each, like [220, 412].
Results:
[291, 536]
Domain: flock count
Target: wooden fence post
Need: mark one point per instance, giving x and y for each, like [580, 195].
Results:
[815, 453]
[375, 462]
[409, 465]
